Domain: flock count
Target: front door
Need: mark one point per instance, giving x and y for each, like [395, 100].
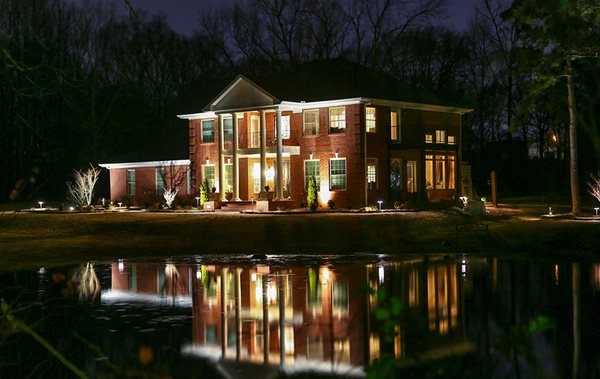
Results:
[411, 176]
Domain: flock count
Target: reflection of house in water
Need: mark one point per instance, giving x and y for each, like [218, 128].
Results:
[149, 283]
[321, 316]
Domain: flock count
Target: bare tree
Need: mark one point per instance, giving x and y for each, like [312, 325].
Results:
[169, 195]
[594, 187]
[173, 177]
[82, 190]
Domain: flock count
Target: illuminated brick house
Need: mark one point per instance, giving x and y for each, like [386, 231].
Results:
[364, 138]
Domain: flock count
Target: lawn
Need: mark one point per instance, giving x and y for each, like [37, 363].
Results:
[34, 239]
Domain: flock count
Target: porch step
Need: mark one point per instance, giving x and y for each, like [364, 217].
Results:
[236, 206]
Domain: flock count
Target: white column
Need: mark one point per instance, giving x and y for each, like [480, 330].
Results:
[236, 163]
[279, 170]
[221, 147]
[263, 147]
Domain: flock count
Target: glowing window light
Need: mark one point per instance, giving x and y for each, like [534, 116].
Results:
[381, 273]
[271, 293]
[270, 173]
[325, 275]
[121, 265]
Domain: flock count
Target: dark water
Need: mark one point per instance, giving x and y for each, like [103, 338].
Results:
[204, 316]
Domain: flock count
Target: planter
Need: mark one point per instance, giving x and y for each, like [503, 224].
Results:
[211, 205]
[266, 195]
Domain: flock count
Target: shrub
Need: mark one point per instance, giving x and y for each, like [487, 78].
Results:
[312, 196]
[331, 204]
[204, 193]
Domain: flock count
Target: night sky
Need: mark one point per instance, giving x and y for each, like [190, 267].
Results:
[183, 14]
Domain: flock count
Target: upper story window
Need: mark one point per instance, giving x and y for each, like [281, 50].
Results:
[228, 128]
[337, 120]
[370, 120]
[428, 138]
[208, 131]
[311, 122]
[451, 140]
[285, 127]
[394, 127]
[440, 136]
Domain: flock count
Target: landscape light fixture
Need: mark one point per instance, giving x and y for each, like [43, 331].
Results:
[379, 202]
[119, 204]
[550, 211]
[596, 209]
[41, 203]
[197, 201]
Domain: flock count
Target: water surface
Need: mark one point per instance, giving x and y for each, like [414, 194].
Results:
[206, 316]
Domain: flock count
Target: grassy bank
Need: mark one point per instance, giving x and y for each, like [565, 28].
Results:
[32, 240]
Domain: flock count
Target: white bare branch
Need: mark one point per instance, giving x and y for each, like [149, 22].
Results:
[81, 190]
[169, 194]
[594, 187]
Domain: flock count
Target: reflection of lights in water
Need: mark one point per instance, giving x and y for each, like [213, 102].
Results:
[325, 275]
[199, 273]
[463, 267]
[258, 293]
[381, 273]
[556, 273]
[121, 265]
[271, 293]
[596, 275]
[253, 277]
[88, 285]
[41, 270]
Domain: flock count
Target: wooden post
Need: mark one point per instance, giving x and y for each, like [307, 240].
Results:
[494, 194]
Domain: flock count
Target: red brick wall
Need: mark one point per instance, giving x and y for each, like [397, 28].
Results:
[145, 183]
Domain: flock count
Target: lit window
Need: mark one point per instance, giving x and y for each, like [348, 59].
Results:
[372, 173]
[395, 174]
[131, 182]
[411, 176]
[208, 131]
[440, 171]
[160, 181]
[228, 177]
[394, 127]
[208, 175]
[440, 136]
[451, 171]
[370, 119]
[429, 171]
[337, 174]
[311, 122]
[428, 138]
[337, 120]
[312, 168]
[256, 177]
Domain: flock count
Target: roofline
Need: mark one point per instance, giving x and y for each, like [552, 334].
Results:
[301, 105]
[230, 86]
[178, 162]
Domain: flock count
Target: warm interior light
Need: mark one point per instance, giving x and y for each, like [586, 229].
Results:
[325, 275]
[270, 172]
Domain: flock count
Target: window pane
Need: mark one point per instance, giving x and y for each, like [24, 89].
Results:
[451, 175]
[370, 120]
[429, 171]
[208, 174]
[440, 171]
[160, 181]
[208, 131]
[372, 173]
[312, 168]
[311, 122]
[394, 132]
[395, 174]
[337, 120]
[451, 140]
[228, 129]
[337, 174]
[440, 136]
[428, 138]
[285, 127]
[228, 177]
[131, 182]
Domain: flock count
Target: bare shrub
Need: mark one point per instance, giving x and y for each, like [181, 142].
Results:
[81, 190]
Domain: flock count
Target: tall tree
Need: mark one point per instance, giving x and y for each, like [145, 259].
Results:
[558, 33]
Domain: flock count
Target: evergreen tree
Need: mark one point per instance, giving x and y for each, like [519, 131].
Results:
[312, 196]
[204, 193]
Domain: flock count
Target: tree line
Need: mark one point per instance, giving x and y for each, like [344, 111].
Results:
[82, 83]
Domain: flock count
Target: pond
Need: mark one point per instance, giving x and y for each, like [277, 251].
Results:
[463, 316]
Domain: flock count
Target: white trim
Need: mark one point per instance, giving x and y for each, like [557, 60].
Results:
[197, 116]
[296, 106]
[179, 162]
